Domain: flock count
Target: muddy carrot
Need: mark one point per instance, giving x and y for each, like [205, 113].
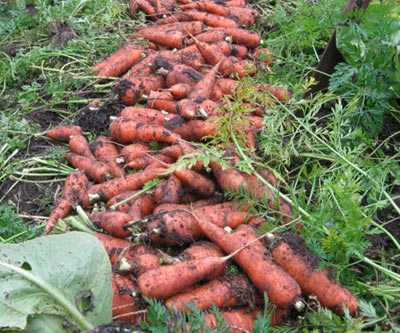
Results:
[106, 151]
[164, 101]
[191, 130]
[95, 170]
[112, 222]
[63, 133]
[291, 253]
[119, 62]
[126, 130]
[79, 145]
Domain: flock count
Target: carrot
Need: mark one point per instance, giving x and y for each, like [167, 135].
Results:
[179, 90]
[198, 183]
[75, 183]
[191, 130]
[235, 3]
[112, 222]
[226, 85]
[119, 62]
[142, 264]
[204, 87]
[268, 277]
[244, 37]
[149, 116]
[142, 67]
[159, 160]
[263, 55]
[182, 74]
[191, 56]
[281, 94]
[228, 179]
[95, 170]
[226, 291]
[106, 151]
[239, 51]
[164, 101]
[126, 305]
[168, 191]
[172, 39]
[193, 204]
[134, 150]
[292, 254]
[122, 249]
[168, 280]
[64, 133]
[239, 68]
[241, 320]
[126, 130]
[79, 145]
[133, 182]
[200, 249]
[210, 52]
[131, 90]
[188, 27]
[209, 36]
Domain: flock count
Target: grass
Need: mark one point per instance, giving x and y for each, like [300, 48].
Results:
[337, 167]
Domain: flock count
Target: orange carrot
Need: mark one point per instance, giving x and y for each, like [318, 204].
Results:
[235, 3]
[147, 115]
[126, 304]
[168, 280]
[146, 7]
[179, 90]
[226, 85]
[263, 55]
[134, 150]
[172, 39]
[75, 183]
[95, 170]
[229, 178]
[164, 101]
[281, 93]
[204, 87]
[191, 130]
[241, 320]
[182, 74]
[198, 183]
[210, 52]
[168, 191]
[119, 62]
[79, 145]
[126, 130]
[292, 254]
[120, 249]
[141, 264]
[268, 277]
[201, 249]
[143, 67]
[64, 133]
[112, 222]
[133, 182]
[160, 160]
[239, 51]
[209, 36]
[226, 291]
[106, 151]
[191, 56]
[244, 37]
[127, 200]
[132, 90]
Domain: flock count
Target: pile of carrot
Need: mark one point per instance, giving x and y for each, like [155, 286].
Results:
[172, 80]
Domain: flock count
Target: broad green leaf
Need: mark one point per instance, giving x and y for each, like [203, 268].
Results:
[67, 276]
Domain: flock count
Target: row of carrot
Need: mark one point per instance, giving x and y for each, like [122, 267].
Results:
[173, 80]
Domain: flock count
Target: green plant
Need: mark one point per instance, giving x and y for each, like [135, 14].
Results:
[367, 80]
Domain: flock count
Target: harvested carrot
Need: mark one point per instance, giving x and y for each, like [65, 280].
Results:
[204, 87]
[210, 52]
[209, 36]
[268, 277]
[95, 170]
[149, 116]
[159, 160]
[112, 222]
[133, 182]
[244, 37]
[191, 130]
[64, 133]
[239, 51]
[132, 90]
[263, 55]
[228, 179]
[119, 62]
[226, 85]
[182, 74]
[168, 280]
[141, 264]
[168, 191]
[224, 292]
[240, 320]
[164, 101]
[198, 183]
[291, 253]
[106, 151]
[172, 39]
[134, 150]
[143, 67]
[79, 145]
[280, 93]
[126, 130]
[201, 249]
[191, 56]
[126, 302]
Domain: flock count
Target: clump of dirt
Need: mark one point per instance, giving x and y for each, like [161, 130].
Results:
[60, 32]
